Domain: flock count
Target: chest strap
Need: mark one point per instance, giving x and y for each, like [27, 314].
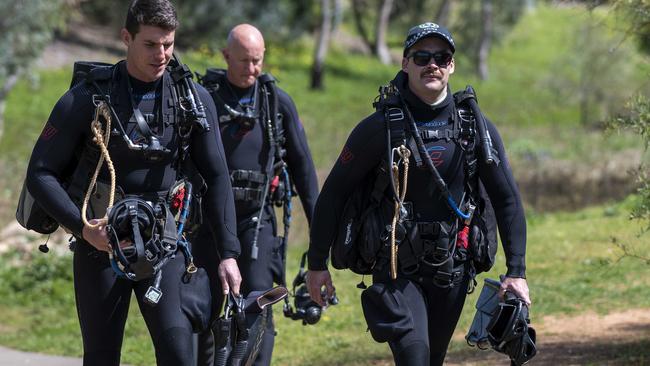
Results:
[445, 134]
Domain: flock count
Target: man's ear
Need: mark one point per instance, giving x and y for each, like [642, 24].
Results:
[224, 53]
[405, 62]
[452, 66]
[126, 37]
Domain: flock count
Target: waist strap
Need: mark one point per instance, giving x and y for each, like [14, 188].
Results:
[247, 194]
[243, 178]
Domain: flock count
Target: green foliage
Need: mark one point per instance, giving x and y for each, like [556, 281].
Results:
[111, 13]
[539, 70]
[638, 121]
[28, 107]
[208, 22]
[25, 29]
[467, 25]
[586, 79]
[636, 16]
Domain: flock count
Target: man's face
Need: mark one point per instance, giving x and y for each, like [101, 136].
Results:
[148, 52]
[430, 80]
[244, 61]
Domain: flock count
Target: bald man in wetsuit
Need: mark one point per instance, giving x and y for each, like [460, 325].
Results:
[253, 162]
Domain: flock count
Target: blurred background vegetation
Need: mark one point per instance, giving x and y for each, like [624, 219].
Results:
[566, 82]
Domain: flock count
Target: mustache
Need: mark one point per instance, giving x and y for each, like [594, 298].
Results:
[432, 71]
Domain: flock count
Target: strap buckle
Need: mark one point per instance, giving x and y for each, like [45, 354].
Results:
[395, 114]
[98, 98]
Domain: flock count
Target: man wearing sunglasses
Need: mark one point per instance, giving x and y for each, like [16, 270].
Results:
[416, 311]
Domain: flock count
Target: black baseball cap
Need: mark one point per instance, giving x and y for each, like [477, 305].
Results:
[425, 30]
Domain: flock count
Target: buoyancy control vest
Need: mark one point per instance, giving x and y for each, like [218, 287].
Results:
[364, 231]
[182, 109]
[249, 185]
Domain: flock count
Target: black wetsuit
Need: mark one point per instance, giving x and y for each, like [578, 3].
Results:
[249, 150]
[102, 297]
[413, 339]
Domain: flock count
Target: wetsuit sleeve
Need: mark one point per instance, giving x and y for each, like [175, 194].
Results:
[506, 201]
[206, 151]
[362, 153]
[299, 160]
[54, 153]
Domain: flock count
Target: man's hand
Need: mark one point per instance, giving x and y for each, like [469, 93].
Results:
[96, 236]
[229, 276]
[315, 282]
[517, 286]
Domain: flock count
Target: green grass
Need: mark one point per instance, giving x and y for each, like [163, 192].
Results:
[573, 267]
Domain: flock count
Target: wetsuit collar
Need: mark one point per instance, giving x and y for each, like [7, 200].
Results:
[244, 96]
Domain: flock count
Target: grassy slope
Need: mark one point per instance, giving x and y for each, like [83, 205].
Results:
[570, 254]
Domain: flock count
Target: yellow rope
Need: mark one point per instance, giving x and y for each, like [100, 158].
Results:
[101, 110]
[404, 154]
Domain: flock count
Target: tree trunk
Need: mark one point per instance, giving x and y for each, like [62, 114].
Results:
[357, 6]
[338, 16]
[321, 46]
[485, 40]
[442, 17]
[10, 82]
[530, 5]
[381, 49]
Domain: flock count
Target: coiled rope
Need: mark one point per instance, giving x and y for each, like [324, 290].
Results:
[404, 155]
[102, 110]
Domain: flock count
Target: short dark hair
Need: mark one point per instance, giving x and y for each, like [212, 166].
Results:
[157, 13]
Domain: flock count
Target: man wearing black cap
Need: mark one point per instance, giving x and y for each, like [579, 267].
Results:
[418, 292]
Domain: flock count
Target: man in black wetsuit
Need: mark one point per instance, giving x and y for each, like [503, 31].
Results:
[415, 313]
[244, 99]
[140, 86]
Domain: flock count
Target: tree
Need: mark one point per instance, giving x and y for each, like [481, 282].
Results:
[636, 15]
[381, 48]
[322, 45]
[358, 7]
[444, 11]
[26, 28]
[484, 24]
[485, 39]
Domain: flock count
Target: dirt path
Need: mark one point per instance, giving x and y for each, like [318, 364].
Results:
[615, 339]
[9, 357]
[621, 338]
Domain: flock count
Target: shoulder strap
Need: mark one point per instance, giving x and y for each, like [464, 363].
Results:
[212, 78]
[464, 119]
[270, 90]
[467, 99]
[392, 108]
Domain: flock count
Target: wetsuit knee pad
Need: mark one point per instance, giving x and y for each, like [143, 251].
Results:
[174, 347]
[415, 354]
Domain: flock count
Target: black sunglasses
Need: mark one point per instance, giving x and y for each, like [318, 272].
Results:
[423, 58]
